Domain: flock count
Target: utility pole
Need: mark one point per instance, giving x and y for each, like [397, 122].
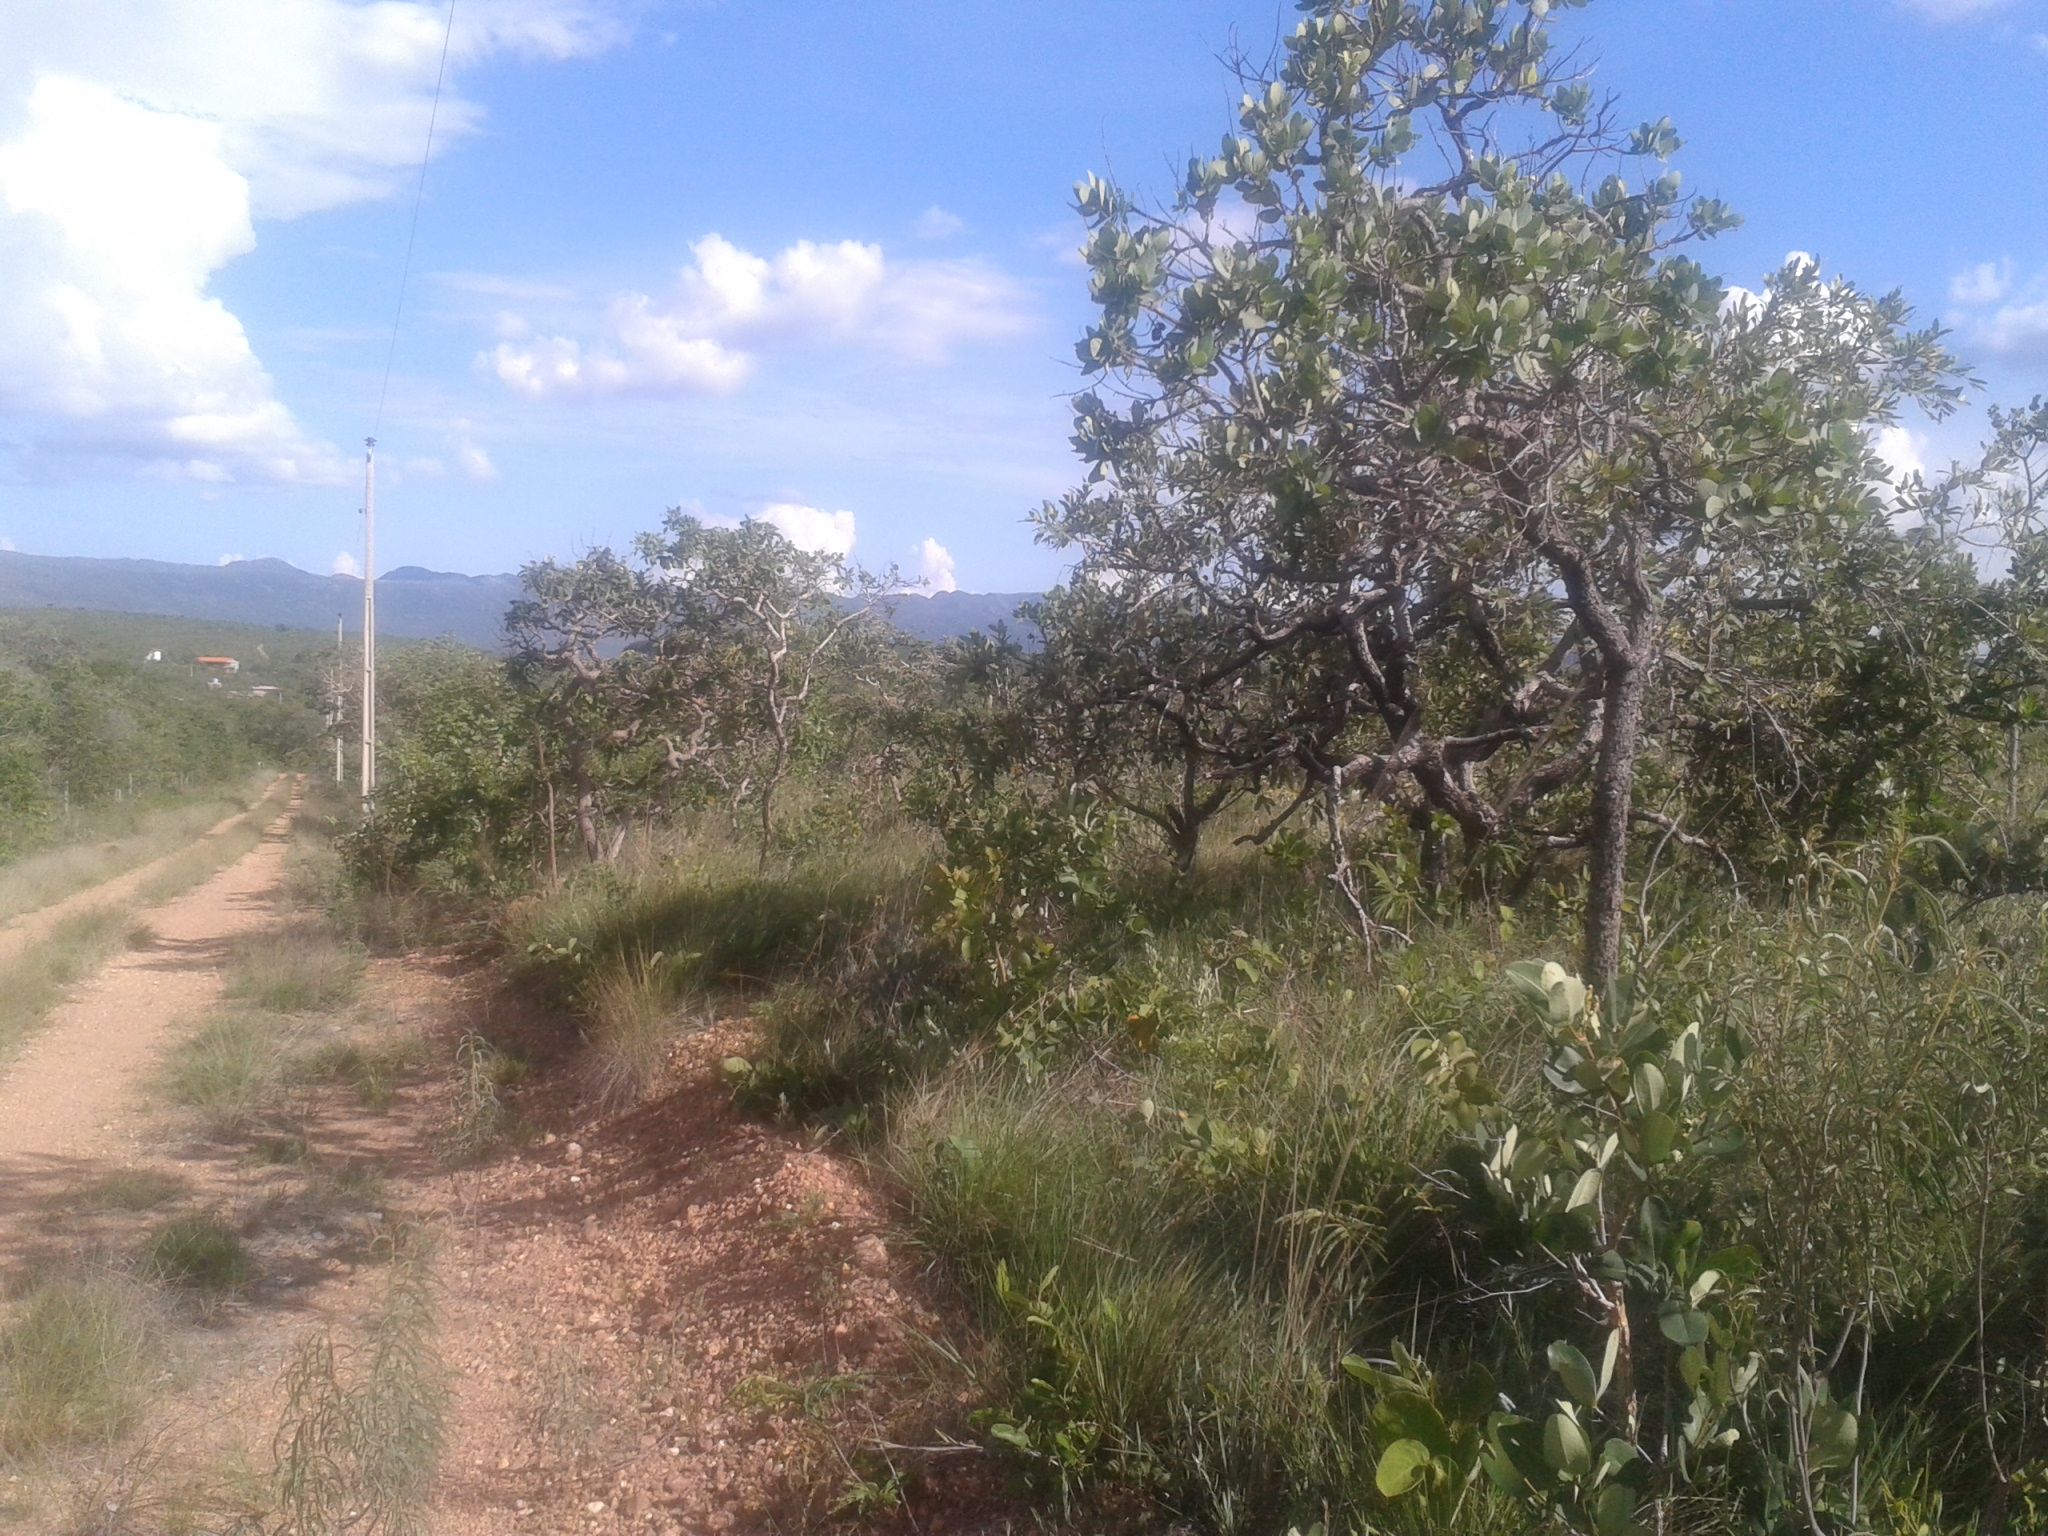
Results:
[340, 693]
[369, 774]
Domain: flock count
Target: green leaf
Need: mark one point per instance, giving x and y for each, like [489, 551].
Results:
[1692, 1367]
[1586, 1191]
[1681, 1324]
[1650, 1086]
[1831, 1435]
[1364, 1370]
[1012, 1436]
[1515, 1459]
[1409, 1416]
[1608, 1357]
[1402, 1466]
[1614, 1509]
[1565, 1446]
[1615, 1455]
[1658, 1133]
[1575, 1372]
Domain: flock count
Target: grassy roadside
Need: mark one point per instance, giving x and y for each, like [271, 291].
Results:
[35, 981]
[111, 840]
[1181, 1152]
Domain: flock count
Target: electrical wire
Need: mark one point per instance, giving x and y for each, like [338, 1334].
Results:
[412, 233]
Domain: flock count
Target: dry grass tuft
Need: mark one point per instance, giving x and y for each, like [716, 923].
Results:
[363, 1427]
[203, 859]
[112, 840]
[481, 1069]
[77, 1362]
[635, 1019]
[226, 1071]
[35, 981]
[294, 968]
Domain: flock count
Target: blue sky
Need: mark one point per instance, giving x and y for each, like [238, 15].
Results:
[809, 261]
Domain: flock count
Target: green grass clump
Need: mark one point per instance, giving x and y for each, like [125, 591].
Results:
[132, 1189]
[226, 1071]
[294, 968]
[371, 1067]
[701, 911]
[77, 1360]
[199, 1251]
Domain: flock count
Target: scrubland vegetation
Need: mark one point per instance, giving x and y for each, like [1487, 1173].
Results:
[97, 744]
[1483, 969]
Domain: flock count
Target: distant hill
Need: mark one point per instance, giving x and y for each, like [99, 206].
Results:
[941, 615]
[411, 601]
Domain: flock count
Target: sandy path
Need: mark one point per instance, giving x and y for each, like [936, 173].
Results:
[64, 1097]
[18, 933]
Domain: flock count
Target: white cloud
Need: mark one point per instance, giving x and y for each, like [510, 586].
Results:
[935, 223]
[728, 305]
[476, 464]
[1985, 283]
[935, 565]
[141, 141]
[230, 559]
[826, 533]
[2003, 315]
[8, 544]
[2018, 331]
[345, 564]
[1903, 451]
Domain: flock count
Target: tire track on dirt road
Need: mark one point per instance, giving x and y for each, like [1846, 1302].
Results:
[29, 928]
[66, 1098]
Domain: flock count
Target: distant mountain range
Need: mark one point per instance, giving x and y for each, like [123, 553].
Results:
[411, 601]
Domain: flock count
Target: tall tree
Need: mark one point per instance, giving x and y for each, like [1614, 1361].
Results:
[580, 634]
[749, 623]
[1411, 399]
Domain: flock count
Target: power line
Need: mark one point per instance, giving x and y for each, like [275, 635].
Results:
[419, 196]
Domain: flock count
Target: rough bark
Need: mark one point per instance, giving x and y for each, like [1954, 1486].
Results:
[1613, 788]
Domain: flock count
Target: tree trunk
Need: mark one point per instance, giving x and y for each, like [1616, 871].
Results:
[586, 806]
[769, 783]
[1614, 772]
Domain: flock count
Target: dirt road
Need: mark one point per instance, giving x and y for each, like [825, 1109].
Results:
[668, 1319]
[18, 933]
[62, 1097]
